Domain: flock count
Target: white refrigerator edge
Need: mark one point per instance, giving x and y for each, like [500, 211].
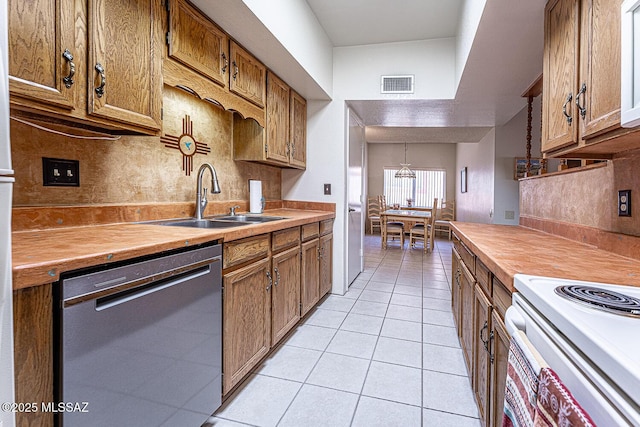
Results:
[7, 419]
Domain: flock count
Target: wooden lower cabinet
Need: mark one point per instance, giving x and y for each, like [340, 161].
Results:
[481, 357]
[285, 294]
[467, 283]
[499, 360]
[310, 276]
[247, 320]
[326, 264]
[455, 289]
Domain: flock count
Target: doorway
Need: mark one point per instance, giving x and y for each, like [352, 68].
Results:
[355, 190]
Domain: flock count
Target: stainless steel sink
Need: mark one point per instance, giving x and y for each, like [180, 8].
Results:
[202, 223]
[248, 218]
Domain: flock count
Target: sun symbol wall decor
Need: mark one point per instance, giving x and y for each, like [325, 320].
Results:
[186, 144]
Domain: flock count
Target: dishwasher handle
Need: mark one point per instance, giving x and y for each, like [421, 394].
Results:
[122, 297]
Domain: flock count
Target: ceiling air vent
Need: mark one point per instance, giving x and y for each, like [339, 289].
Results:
[396, 84]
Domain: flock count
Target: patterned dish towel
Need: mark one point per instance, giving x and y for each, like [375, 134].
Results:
[523, 370]
[556, 406]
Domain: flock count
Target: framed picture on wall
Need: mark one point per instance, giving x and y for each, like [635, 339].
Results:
[521, 167]
[463, 180]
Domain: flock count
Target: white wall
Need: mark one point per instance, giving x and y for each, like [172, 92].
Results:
[476, 205]
[420, 156]
[357, 69]
[511, 142]
[467, 27]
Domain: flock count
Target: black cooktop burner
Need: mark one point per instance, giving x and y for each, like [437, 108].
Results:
[601, 299]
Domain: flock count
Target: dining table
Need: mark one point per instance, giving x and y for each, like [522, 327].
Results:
[406, 215]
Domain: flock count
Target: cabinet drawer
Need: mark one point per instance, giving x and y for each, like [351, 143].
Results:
[241, 251]
[326, 226]
[468, 258]
[284, 239]
[501, 297]
[483, 276]
[310, 231]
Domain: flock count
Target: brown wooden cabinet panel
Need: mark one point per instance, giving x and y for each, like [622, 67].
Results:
[500, 352]
[125, 42]
[456, 307]
[326, 264]
[247, 320]
[481, 357]
[560, 71]
[278, 146]
[285, 299]
[310, 276]
[40, 33]
[248, 75]
[310, 231]
[238, 252]
[284, 239]
[467, 284]
[298, 130]
[198, 43]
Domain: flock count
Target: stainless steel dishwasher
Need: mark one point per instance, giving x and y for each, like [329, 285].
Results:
[140, 344]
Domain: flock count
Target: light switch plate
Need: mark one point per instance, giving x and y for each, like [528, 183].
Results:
[624, 203]
[327, 189]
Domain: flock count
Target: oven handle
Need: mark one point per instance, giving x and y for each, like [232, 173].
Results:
[514, 320]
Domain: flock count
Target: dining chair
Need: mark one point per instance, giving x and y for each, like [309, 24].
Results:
[391, 230]
[373, 214]
[418, 232]
[447, 214]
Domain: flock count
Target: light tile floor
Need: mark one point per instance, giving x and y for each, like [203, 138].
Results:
[384, 354]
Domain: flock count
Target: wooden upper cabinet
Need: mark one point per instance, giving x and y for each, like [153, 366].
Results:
[277, 143]
[198, 43]
[298, 130]
[42, 52]
[61, 51]
[581, 84]
[248, 75]
[560, 71]
[600, 66]
[125, 59]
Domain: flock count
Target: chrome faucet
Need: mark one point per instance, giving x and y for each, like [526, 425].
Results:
[201, 196]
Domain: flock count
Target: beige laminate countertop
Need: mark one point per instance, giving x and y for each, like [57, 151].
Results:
[507, 250]
[39, 257]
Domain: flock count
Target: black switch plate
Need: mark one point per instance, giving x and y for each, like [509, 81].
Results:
[624, 203]
[60, 172]
[327, 189]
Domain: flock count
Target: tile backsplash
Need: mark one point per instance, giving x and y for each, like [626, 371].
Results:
[138, 169]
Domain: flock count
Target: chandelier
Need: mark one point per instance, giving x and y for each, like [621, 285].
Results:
[405, 172]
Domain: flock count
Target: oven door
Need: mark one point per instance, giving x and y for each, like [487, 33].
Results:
[600, 399]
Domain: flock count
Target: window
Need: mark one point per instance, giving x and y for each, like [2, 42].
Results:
[429, 183]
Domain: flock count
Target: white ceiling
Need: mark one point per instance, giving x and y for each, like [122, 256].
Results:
[505, 59]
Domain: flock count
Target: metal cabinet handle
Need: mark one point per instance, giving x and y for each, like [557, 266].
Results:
[277, 276]
[484, 342]
[288, 145]
[491, 356]
[564, 108]
[270, 281]
[226, 63]
[103, 80]
[293, 149]
[582, 108]
[318, 253]
[68, 80]
[458, 273]
[235, 70]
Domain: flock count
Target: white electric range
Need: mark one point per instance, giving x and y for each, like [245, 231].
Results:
[594, 348]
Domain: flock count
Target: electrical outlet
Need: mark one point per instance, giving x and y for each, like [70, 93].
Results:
[60, 172]
[327, 189]
[624, 203]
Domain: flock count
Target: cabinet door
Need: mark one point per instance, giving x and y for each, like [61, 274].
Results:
[466, 315]
[198, 43]
[455, 290]
[560, 70]
[248, 75]
[247, 316]
[40, 31]
[326, 264]
[600, 66]
[125, 61]
[481, 357]
[310, 276]
[499, 360]
[277, 120]
[298, 130]
[285, 298]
